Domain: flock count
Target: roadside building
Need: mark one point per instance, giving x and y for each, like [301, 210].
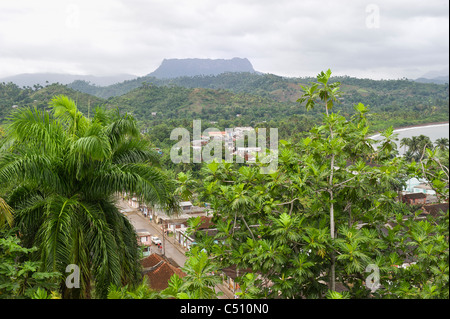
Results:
[144, 240]
[435, 209]
[415, 199]
[229, 275]
[158, 270]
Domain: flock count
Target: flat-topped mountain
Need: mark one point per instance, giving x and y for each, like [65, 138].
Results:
[172, 68]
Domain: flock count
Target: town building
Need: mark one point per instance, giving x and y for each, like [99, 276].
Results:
[414, 198]
[158, 270]
[435, 209]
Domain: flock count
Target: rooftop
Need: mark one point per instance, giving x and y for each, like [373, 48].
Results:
[415, 196]
[159, 270]
[435, 209]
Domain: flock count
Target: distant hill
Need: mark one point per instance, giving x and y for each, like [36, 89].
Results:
[43, 79]
[242, 99]
[238, 82]
[12, 96]
[437, 80]
[436, 76]
[173, 68]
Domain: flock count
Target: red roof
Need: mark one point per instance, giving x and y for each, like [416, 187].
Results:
[151, 260]
[205, 222]
[159, 271]
[436, 209]
[159, 277]
[415, 196]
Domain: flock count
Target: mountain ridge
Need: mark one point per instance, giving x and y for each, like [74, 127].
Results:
[173, 68]
[42, 79]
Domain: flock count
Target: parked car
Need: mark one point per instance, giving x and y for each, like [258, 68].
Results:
[156, 240]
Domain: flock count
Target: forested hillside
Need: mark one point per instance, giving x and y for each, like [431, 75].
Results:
[12, 96]
[241, 99]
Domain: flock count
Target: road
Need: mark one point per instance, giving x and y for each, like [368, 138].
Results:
[172, 251]
[140, 222]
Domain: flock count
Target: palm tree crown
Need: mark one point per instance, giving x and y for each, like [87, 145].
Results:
[63, 171]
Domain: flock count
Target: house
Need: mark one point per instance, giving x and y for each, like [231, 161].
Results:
[144, 240]
[431, 199]
[133, 202]
[216, 135]
[186, 206]
[423, 188]
[415, 199]
[187, 240]
[205, 222]
[183, 238]
[144, 237]
[229, 275]
[158, 271]
[201, 142]
[435, 209]
[248, 153]
[177, 222]
[187, 210]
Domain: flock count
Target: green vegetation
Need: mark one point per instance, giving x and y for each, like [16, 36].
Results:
[198, 283]
[60, 172]
[329, 212]
[328, 218]
[242, 99]
[20, 277]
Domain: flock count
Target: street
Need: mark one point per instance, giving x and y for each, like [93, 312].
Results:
[141, 223]
[172, 251]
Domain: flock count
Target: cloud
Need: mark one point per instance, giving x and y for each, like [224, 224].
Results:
[379, 39]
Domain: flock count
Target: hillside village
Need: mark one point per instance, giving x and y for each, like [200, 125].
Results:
[159, 267]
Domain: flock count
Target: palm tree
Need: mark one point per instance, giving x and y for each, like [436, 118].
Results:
[424, 142]
[65, 171]
[442, 143]
[405, 142]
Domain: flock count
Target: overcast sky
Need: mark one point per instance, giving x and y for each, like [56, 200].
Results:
[377, 39]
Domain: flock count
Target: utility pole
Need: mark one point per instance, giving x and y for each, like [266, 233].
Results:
[164, 241]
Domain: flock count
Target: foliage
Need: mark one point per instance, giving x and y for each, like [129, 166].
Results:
[142, 291]
[185, 186]
[61, 172]
[259, 99]
[19, 276]
[6, 214]
[329, 211]
[198, 283]
[280, 225]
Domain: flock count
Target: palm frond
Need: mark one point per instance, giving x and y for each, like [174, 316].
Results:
[36, 168]
[35, 127]
[6, 213]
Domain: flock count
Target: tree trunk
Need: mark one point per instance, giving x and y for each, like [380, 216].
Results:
[332, 266]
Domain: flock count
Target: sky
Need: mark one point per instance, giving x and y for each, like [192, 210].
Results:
[378, 39]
